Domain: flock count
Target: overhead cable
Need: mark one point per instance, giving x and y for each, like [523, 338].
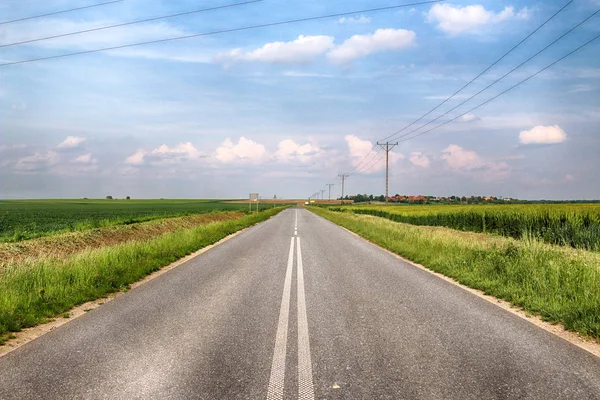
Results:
[245, 28]
[60, 12]
[505, 91]
[499, 79]
[472, 80]
[130, 23]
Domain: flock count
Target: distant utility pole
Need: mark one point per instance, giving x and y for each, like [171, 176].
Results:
[387, 149]
[330, 185]
[343, 176]
[322, 194]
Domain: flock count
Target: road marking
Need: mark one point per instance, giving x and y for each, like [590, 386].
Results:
[305, 382]
[276, 382]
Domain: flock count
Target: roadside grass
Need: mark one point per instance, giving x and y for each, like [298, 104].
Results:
[66, 244]
[35, 291]
[560, 284]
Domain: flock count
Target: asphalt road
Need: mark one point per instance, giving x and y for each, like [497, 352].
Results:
[298, 308]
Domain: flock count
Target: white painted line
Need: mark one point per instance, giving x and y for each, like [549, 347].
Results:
[276, 382]
[305, 381]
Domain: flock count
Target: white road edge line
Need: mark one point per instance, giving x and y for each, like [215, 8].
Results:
[276, 381]
[305, 380]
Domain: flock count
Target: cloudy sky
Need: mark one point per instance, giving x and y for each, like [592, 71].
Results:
[282, 110]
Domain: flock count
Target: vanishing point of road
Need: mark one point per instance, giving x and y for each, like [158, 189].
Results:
[298, 308]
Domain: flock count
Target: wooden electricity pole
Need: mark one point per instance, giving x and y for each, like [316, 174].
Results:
[330, 185]
[387, 149]
[343, 176]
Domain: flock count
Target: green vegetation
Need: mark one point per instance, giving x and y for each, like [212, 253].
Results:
[574, 225]
[27, 219]
[33, 291]
[558, 283]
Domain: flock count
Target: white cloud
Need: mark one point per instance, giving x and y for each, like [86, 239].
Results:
[458, 158]
[455, 20]
[288, 150]
[136, 159]
[85, 159]
[419, 159]
[469, 118]
[38, 162]
[543, 135]
[71, 142]
[164, 154]
[245, 150]
[362, 45]
[467, 161]
[360, 20]
[363, 159]
[302, 50]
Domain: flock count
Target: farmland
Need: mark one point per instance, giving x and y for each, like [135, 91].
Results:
[573, 225]
[27, 219]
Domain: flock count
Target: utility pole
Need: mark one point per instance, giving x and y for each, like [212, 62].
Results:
[322, 194]
[330, 185]
[387, 149]
[343, 176]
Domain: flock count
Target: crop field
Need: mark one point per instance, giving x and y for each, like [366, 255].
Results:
[27, 219]
[574, 225]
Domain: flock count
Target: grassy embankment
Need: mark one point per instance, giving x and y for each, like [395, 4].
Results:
[574, 225]
[560, 284]
[33, 291]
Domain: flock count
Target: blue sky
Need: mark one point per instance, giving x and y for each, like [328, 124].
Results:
[283, 110]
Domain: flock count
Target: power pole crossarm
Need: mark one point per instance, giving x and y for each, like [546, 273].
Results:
[387, 149]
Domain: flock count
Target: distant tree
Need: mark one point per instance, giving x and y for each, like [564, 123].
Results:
[109, 197]
[127, 198]
[381, 198]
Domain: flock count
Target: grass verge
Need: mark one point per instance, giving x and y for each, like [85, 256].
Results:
[33, 292]
[560, 284]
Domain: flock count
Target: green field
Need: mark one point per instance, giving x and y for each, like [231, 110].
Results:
[27, 219]
[574, 225]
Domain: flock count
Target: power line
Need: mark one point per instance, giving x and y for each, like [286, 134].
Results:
[130, 23]
[373, 162]
[60, 12]
[472, 80]
[220, 31]
[505, 91]
[485, 102]
[502, 77]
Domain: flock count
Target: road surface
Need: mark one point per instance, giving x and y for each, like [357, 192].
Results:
[298, 308]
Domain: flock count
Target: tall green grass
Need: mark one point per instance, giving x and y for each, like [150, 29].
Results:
[575, 226]
[558, 283]
[30, 293]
